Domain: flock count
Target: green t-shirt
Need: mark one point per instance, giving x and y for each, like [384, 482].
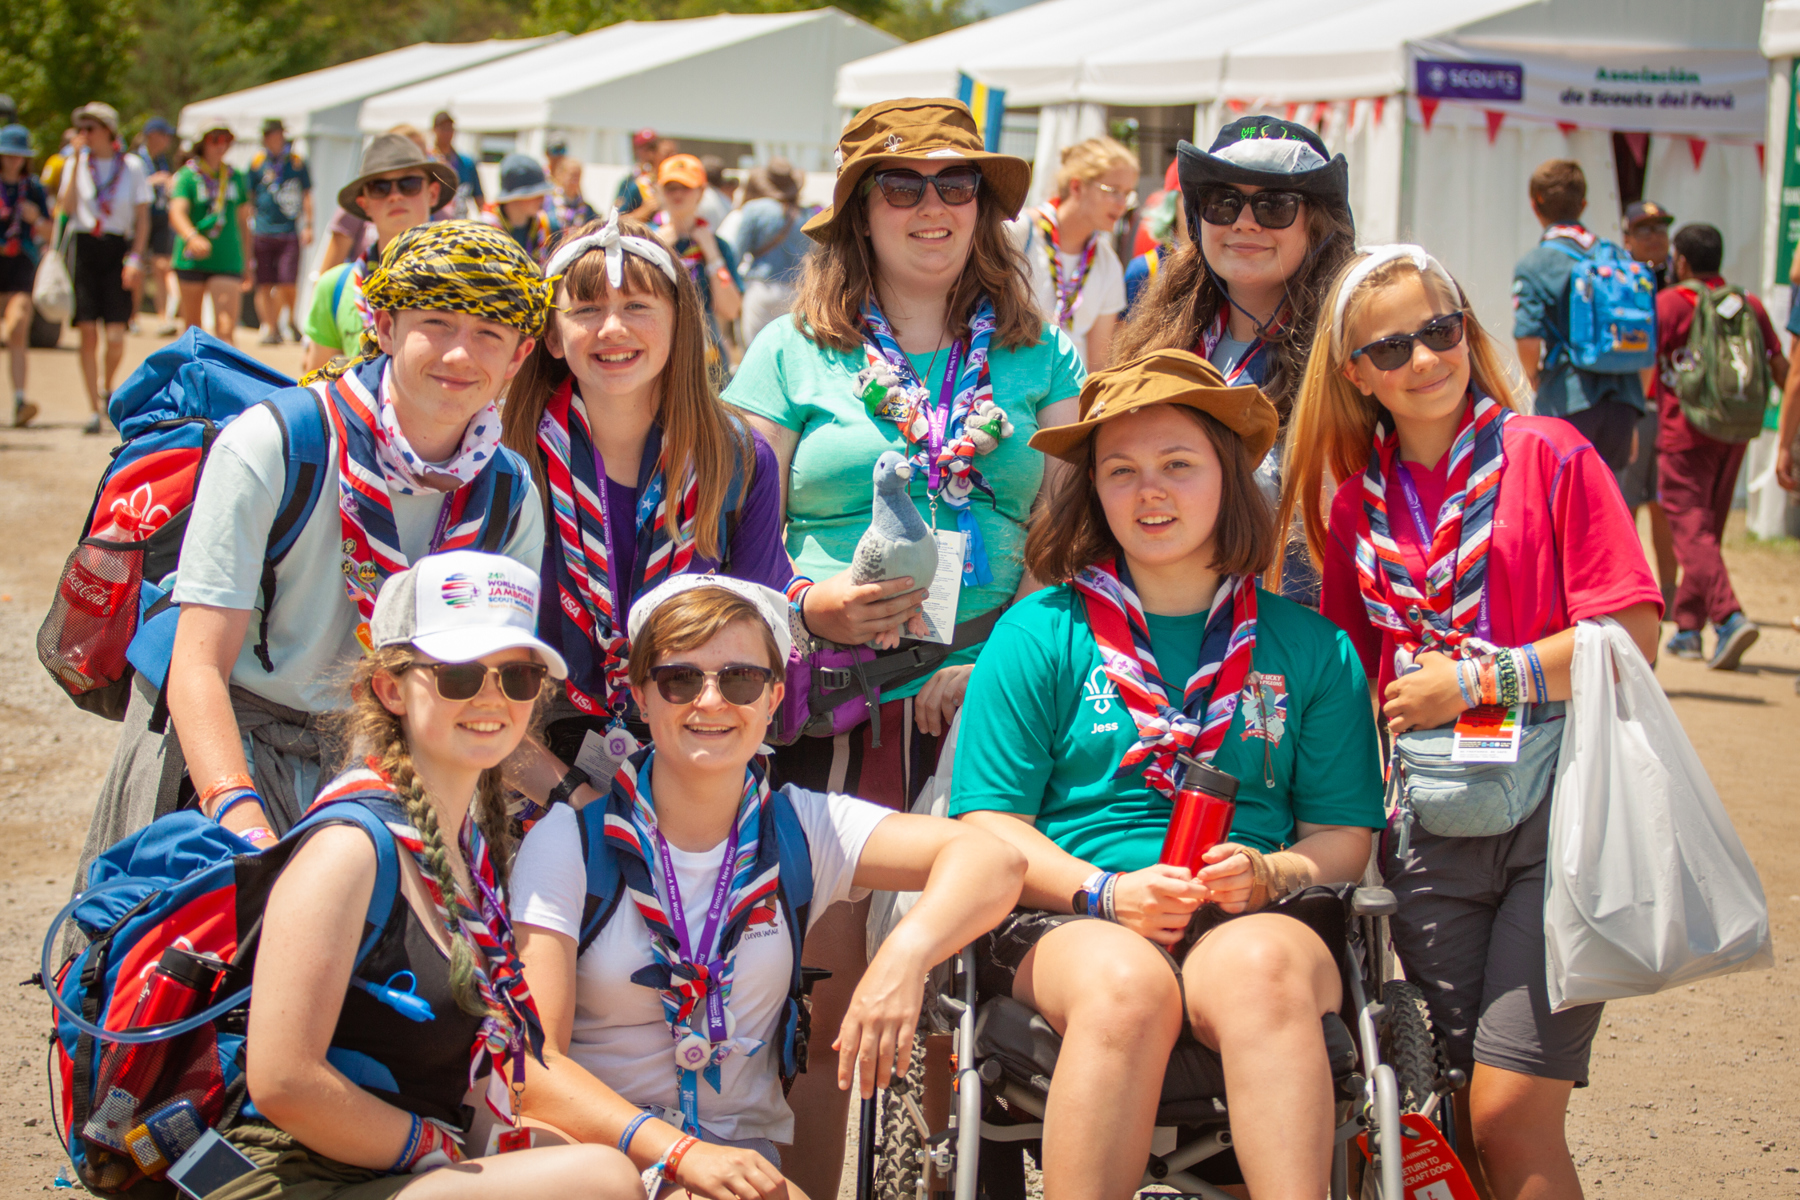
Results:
[217, 221]
[336, 326]
[1043, 730]
[811, 390]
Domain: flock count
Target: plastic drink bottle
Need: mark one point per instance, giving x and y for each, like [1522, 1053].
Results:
[1204, 807]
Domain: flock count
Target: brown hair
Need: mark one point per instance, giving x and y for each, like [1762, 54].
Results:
[1333, 425]
[1559, 189]
[838, 275]
[691, 619]
[1090, 160]
[698, 432]
[1069, 532]
[1185, 299]
[370, 730]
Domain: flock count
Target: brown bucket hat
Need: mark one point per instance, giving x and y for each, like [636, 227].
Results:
[1163, 377]
[896, 132]
[394, 152]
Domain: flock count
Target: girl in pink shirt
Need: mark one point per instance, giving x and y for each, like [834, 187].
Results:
[1465, 540]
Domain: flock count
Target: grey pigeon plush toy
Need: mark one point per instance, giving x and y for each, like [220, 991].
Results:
[897, 543]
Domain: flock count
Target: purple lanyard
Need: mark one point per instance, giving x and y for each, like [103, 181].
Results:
[709, 934]
[612, 555]
[1403, 475]
[938, 419]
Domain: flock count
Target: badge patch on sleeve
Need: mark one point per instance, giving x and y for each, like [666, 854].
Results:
[1264, 703]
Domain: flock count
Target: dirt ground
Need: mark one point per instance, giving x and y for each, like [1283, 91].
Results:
[1693, 1091]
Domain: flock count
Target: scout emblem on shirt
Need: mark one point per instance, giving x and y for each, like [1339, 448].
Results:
[1099, 691]
[1264, 704]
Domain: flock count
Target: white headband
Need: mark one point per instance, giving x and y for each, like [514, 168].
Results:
[616, 245]
[1379, 256]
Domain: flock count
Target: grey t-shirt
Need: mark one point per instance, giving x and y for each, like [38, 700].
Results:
[312, 632]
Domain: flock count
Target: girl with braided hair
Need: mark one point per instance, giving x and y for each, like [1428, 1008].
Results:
[361, 1073]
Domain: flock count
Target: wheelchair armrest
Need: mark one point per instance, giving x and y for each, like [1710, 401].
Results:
[1373, 902]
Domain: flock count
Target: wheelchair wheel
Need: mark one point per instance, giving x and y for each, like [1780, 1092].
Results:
[900, 1163]
[1406, 1043]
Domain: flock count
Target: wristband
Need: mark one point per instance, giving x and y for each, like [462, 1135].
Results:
[257, 831]
[671, 1160]
[631, 1131]
[800, 607]
[796, 588]
[243, 796]
[436, 1148]
[1537, 674]
[1086, 900]
[225, 784]
[1106, 897]
[565, 787]
[1465, 669]
[412, 1145]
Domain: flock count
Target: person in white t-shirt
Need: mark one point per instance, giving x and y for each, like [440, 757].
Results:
[1075, 272]
[681, 1065]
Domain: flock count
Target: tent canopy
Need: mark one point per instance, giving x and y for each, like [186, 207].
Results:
[747, 78]
[1781, 28]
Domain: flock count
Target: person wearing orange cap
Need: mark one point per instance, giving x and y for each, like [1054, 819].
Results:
[636, 198]
[709, 259]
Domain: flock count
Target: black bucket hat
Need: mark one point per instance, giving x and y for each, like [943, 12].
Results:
[1265, 152]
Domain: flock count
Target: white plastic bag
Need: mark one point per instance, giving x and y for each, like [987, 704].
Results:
[1648, 885]
[51, 292]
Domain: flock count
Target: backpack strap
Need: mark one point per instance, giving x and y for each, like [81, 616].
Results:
[605, 885]
[304, 447]
[364, 815]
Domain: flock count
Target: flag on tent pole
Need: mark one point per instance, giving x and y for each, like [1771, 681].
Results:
[988, 106]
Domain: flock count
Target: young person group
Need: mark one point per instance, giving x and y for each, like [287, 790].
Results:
[600, 598]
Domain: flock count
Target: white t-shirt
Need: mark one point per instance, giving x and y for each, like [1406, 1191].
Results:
[620, 1036]
[132, 189]
[1103, 294]
[312, 632]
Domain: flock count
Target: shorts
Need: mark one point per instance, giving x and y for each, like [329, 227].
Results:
[277, 259]
[17, 273]
[100, 293]
[1608, 426]
[288, 1170]
[1640, 479]
[196, 275]
[162, 234]
[1470, 933]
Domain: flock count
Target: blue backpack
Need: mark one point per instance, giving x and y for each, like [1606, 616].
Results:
[128, 1102]
[781, 828]
[1612, 311]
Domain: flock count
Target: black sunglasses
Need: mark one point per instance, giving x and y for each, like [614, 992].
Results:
[1272, 210]
[1391, 353]
[904, 188]
[409, 185]
[520, 682]
[681, 683]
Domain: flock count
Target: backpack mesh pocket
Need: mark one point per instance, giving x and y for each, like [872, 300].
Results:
[92, 619]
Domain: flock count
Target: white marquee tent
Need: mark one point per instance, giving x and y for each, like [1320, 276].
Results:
[321, 108]
[763, 80]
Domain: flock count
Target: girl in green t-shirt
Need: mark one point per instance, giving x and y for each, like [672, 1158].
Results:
[1159, 533]
[209, 216]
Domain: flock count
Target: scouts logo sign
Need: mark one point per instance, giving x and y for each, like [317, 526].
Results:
[1441, 80]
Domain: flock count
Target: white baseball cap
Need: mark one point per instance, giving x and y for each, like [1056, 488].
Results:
[770, 603]
[461, 606]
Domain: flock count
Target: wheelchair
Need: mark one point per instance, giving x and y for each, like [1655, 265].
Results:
[1004, 1054]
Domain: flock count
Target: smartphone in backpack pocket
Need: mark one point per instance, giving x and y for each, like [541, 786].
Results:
[210, 1164]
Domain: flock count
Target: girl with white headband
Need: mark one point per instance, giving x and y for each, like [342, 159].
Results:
[645, 475]
[1465, 541]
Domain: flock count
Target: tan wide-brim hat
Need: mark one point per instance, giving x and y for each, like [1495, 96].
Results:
[394, 152]
[1163, 377]
[913, 133]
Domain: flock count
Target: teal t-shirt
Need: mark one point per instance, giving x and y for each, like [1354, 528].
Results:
[1043, 730]
[811, 390]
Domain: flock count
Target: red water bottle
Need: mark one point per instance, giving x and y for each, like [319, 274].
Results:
[1204, 807]
[180, 985]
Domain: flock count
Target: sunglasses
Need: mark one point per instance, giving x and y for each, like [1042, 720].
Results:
[1391, 353]
[409, 185]
[1272, 210]
[680, 683]
[520, 682]
[904, 188]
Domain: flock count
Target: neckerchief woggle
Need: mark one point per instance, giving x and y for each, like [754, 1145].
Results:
[1196, 727]
[1068, 295]
[511, 1027]
[371, 540]
[1449, 613]
[594, 588]
[938, 436]
[693, 979]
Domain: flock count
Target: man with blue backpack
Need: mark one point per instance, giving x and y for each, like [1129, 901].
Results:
[1583, 318]
[304, 505]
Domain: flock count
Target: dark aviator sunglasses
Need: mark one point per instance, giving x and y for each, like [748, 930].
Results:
[904, 188]
[409, 185]
[1271, 210]
[1391, 353]
[682, 683]
[520, 682]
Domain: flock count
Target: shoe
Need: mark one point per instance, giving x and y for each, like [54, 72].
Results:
[1685, 644]
[167, 329]
[1736, 635]
[271, 336]
[93, 424]
[23, 411]
[293, 333]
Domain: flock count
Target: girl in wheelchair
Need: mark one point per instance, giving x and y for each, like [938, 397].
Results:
[1156, 640]
[674, 1021]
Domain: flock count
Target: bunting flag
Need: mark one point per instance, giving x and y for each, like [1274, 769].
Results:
[1759, 157]
[1697, 148]
[1380, 107]
[1568, 128]
[1321, 111]
[1494, 120]
[1292, 110]
[987, 104]
[1639, 145]
[1428, 106]
[1237, 106]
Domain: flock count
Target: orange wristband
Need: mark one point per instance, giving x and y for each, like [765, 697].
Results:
[672, 1160]
[229, 783]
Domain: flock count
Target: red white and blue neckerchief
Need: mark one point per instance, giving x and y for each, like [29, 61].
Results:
[694, 980]
[1254, 366]
[594, 589]
[938, 443]
[511, 1027]
[1068, 291]
[1198, 726]
[371, 540]
[1575, 233]
[103, 193]
[1446, 613]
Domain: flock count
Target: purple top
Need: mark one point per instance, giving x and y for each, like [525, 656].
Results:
[621, 517]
